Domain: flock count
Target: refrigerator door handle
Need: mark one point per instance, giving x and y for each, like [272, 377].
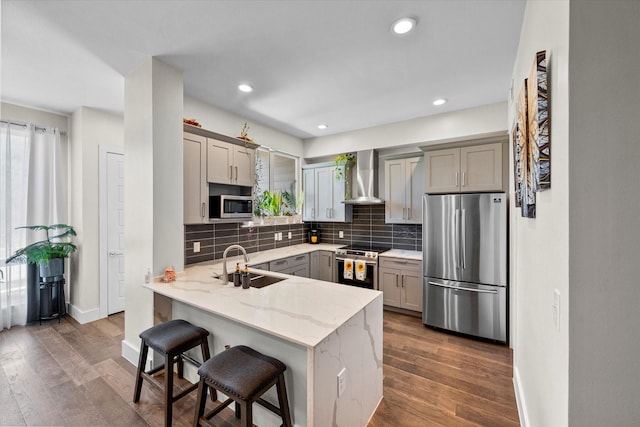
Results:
[456, 238]
[463, 222]
[480, 291]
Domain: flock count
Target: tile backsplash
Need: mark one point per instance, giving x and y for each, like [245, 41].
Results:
[368, 228]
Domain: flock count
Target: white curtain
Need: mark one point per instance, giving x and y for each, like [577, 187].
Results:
[33, 193]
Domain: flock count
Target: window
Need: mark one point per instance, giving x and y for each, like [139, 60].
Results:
[276, 172]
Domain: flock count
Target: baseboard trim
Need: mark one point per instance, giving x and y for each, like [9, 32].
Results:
[132, 353]
[82, 316]
[522, 407]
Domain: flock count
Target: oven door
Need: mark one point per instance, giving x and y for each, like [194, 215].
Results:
[370, 281]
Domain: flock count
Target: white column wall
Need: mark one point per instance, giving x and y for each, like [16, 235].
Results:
[539, 248]
[153, 187]
[604, 234]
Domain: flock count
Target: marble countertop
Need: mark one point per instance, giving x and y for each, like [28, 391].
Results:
[300, 310]
[401, 253]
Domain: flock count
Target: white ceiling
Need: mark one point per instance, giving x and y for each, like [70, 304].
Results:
[310, 61]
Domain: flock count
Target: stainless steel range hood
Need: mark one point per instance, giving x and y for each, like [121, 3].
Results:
[366, 183]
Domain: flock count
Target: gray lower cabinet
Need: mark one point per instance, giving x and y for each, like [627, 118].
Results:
[296, 265]
[322, 265]
[401, 283]
[262, 266]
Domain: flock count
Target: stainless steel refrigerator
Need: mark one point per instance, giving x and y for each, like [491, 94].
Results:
[464, 250]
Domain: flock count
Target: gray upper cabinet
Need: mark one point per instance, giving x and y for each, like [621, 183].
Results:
[404, 188]
[324, 194]
[230, 163]
[466, 169]
[195, 185]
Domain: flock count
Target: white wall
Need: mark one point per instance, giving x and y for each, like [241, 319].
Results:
[540, 247]
[154, 233]
[91, 128]
[22, 114]
[429, 130]
[604, 233]
[220, 121]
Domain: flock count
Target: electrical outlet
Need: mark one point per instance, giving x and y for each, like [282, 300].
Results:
[280, 235]
[196, 247]
[342, 381]
[341, 234]
[289, 235]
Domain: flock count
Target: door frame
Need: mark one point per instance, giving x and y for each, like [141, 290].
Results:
[102, 213]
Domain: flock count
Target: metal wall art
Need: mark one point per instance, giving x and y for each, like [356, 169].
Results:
[531, 138]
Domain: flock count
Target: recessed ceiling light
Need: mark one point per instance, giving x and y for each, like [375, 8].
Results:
[439, 101]
[243, 87]
[322, 126]
[404, 25]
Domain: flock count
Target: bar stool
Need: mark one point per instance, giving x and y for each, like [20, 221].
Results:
[244, 375]
[172, 339]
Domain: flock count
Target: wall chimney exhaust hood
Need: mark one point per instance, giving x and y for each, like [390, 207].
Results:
[366, 188]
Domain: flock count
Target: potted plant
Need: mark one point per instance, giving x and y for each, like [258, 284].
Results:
[48, 254]
[347, 161]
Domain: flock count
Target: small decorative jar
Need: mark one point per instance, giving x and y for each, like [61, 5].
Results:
[169, 274]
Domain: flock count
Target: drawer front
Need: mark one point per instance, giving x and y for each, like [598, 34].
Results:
[279, 265]
[401, 263]
[299, 260]
[262, 266]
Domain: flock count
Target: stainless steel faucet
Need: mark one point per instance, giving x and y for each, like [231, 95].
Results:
[225, 275]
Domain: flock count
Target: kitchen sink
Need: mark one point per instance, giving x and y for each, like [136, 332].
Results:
[260, 280]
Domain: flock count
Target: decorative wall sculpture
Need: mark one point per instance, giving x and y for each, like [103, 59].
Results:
[538, 114]
[531, 138]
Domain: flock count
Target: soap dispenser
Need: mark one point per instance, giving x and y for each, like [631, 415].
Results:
[236, 275]
[246, 280]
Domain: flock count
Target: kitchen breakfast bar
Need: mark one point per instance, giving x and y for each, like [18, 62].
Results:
[320, 330]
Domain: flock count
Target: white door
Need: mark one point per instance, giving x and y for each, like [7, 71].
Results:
[115, 233]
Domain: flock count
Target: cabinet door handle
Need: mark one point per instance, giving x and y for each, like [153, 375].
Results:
[408, 213]
[403, 209]
[236, 173]
[463, 178]
[402, 281]
[397, 281]
[202, 210]
[230, 172]
[327, 213]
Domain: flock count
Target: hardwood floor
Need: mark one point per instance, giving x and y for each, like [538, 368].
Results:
[69, 374]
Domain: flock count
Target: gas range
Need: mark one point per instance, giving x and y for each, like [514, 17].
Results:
[361, 252]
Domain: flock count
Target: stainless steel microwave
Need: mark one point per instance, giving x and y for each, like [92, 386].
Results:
[227, 206]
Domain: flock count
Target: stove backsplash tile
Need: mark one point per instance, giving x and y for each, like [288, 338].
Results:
[368, 228]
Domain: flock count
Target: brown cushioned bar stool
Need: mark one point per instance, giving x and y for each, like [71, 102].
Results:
[172, 339]
[244, 375]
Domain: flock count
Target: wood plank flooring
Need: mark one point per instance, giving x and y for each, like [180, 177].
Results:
[69, 374]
